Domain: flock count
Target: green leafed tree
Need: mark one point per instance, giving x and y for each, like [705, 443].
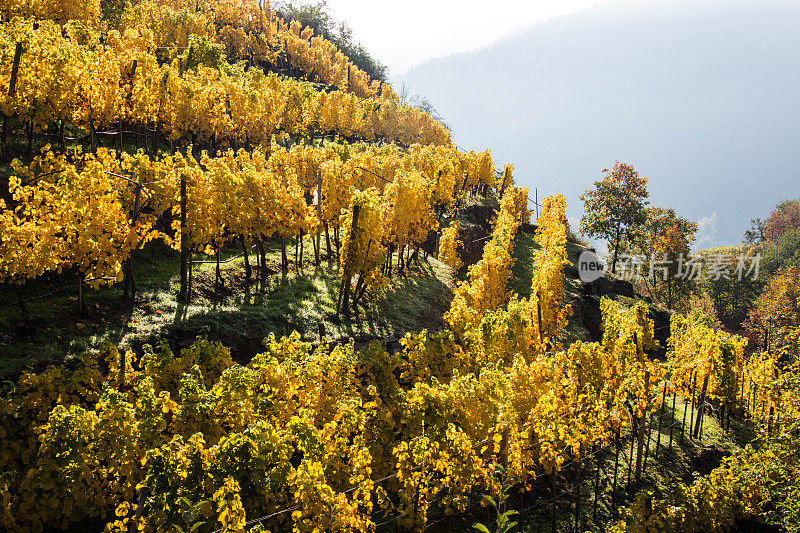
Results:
[616, 208]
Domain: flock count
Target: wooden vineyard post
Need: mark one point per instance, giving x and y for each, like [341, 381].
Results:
[616, 465]
[578, 492]
[742, 403]
[284, 258]
[634, 431]
[691, 416]
[702, 422]
[316, 248]
[647, 439]
[297, 241]
[746, 404]
[328, 244]
[554, 506]
[302, 247]
[336, 244]
[184, 290]
[319, 217]
[683, 424]
[217, 274]
[12, 91]
[504, 448]
[344, 289]
[248, 271]
[130, 284]
[741, 398]
[23, 308]
[262, 261]
[641, 428]
[661, 418]
[81, 303]
[700, 408]
[133, 80]
[133, 525]
[190, 264]
[672, 418]
[596, 486]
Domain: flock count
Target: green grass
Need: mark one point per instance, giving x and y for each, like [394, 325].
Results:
[525, 247]
[419, 300]
[478, 210]
[240, 315]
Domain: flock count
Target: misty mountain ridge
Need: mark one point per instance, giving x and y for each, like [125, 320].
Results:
[702, 97]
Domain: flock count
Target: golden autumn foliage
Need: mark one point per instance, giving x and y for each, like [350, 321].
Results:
[547, 299]
[209, 103]
[315, 438]
[448, 246]
[486, 288]
[616, 207]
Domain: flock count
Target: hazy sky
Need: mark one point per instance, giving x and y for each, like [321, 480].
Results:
[405, 33]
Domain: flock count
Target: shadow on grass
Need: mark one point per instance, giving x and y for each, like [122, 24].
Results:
[525, 247]
[240, 314]
[418, 301]
[243, 320]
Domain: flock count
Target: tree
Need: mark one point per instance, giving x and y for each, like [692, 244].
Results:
[777, 238]
[733, 297]
[755, 234]
[777, 310]
[615, 207]
[785, 217]
[667, 246]
[317, 17]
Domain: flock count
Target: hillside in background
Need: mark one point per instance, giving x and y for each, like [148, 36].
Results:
[701, 97]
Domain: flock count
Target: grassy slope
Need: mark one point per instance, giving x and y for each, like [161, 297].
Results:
[240, 315]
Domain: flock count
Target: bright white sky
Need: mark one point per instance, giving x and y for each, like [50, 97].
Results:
[404, 33]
